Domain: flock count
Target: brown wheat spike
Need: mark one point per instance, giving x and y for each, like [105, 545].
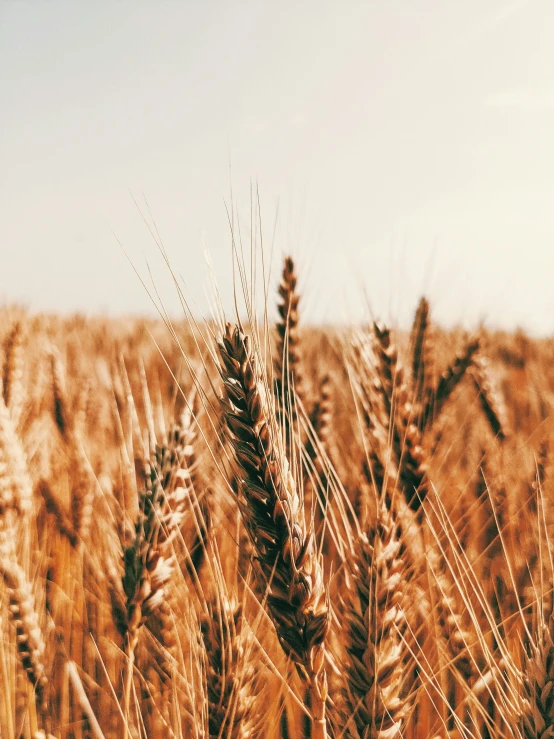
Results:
[374, 469]
[377, 697]
[420, 343]
[491, 402]
[493, 503]
[450, 622]
[82, 492]
[405, 435]
[30, 643]
[55, 508]
[448, 382]
[197, 549]
[12, 379]
[148, 560]
[61, 406]
[116, 595]
[375, 463]
[537, 712]
[390, 374]
[274, 519]
[176, 465]
[230, 679]
[173, 472]
[161, 624]
[413, 465]
[82, 406]
[148, 566]
[321, 417]
[386, 384]
[83, 482]
[16, 491]
[317, 446]
[288, 361]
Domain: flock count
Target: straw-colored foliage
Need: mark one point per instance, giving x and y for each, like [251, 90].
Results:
[266, 530]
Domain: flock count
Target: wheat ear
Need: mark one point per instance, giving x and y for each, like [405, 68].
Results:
[288, 361]
[149, 559]
[321, 420]
[406, 438]
[16, 490]
[173, 471]
[30, 643]
[148, 565]
[83, 483]
[375, 465]
[451, 626]
[537, 712]
[377, 697]
[489, 398]
[316, 462]
[60, 409]
[229, 679]
[274, 519]
[13, 372]
[420, 343]
[55, 508]
[448, 382]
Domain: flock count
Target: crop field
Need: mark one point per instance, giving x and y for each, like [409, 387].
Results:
[265, 529]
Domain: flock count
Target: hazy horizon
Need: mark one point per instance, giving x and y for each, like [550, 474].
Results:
[403, 149]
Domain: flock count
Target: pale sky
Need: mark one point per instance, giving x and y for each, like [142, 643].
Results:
[408, 147]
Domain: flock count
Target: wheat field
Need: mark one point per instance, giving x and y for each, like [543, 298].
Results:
[262, 529]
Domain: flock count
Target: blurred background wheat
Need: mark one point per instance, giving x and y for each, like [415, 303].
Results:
[262, 529]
